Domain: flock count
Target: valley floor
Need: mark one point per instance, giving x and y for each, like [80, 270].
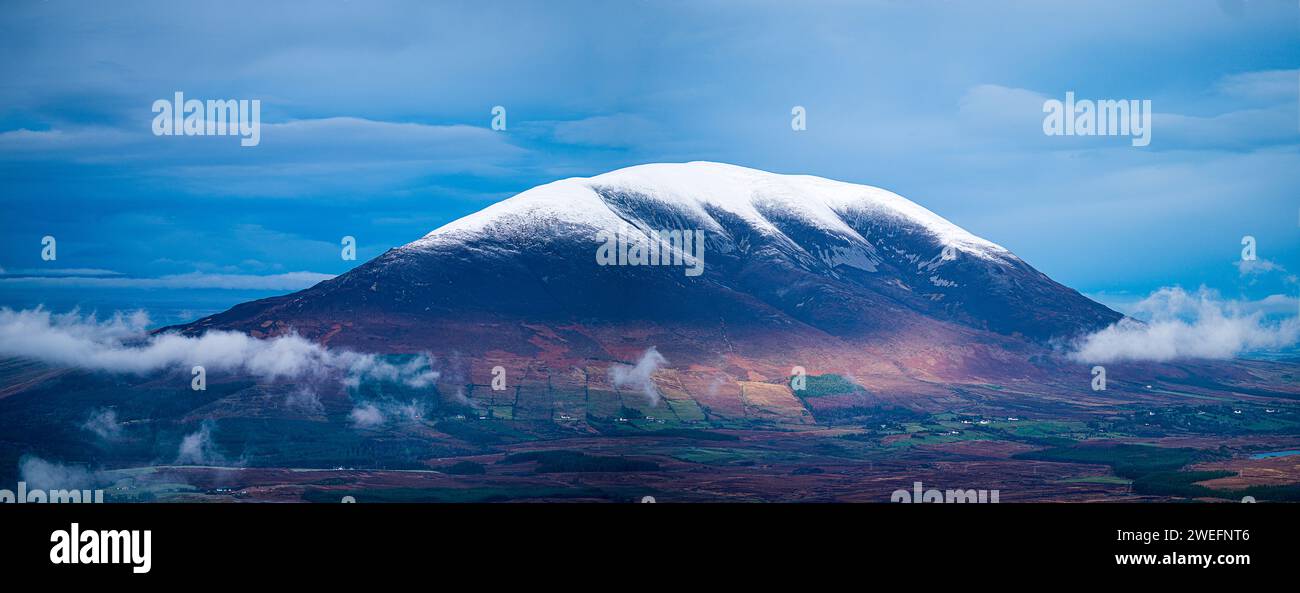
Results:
[557, 438]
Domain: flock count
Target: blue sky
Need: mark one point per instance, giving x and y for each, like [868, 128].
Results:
[375, 124]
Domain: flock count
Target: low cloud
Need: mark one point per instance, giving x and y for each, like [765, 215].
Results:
[1255, 270]
[373, 414]
[103, 423]
[304, 399]
[121, 344]
[1247, 267]
[197, 448]
[640, 376]
[1190, 325]
[366, 416]
[715, 386]
[47, 475]
[417, 372]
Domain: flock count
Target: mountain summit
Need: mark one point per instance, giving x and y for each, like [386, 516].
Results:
[788, 262]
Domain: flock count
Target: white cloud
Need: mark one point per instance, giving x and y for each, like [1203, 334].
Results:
[1274, 304]
[120, 344]
[372, 414]
[366, 416]
[45, 475]
[1183, 325]
[198, 448]
[304, 399]
[641, 375]
[1247, 267]
[103, 422]
[417, 372]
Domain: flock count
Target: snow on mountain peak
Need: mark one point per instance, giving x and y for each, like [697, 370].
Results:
[699, 186]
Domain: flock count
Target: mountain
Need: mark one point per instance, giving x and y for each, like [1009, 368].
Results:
[795, 269]
[927, 355]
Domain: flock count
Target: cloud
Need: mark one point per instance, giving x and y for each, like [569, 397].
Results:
[300, 157]
[1257, 266]
[641, 375]
[304, 399]
[61, 272]
[993, 107]
[103, 422]
[120, 344]
[366, 416]
[1274, 304]
[1185, 325]
[339, 138]
[197, 448]
[1015, 115]
[298, 140]
[417, 372]
[30, 142]
[286, 281]
[46, 475]
[1263, 85]
[1242, 129]
[716, 384]
[619, 130]
[372, 414]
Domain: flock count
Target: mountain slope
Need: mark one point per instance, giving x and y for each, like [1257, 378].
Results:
[789, 262]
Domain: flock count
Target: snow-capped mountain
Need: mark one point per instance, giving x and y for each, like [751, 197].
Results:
[787, 259]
